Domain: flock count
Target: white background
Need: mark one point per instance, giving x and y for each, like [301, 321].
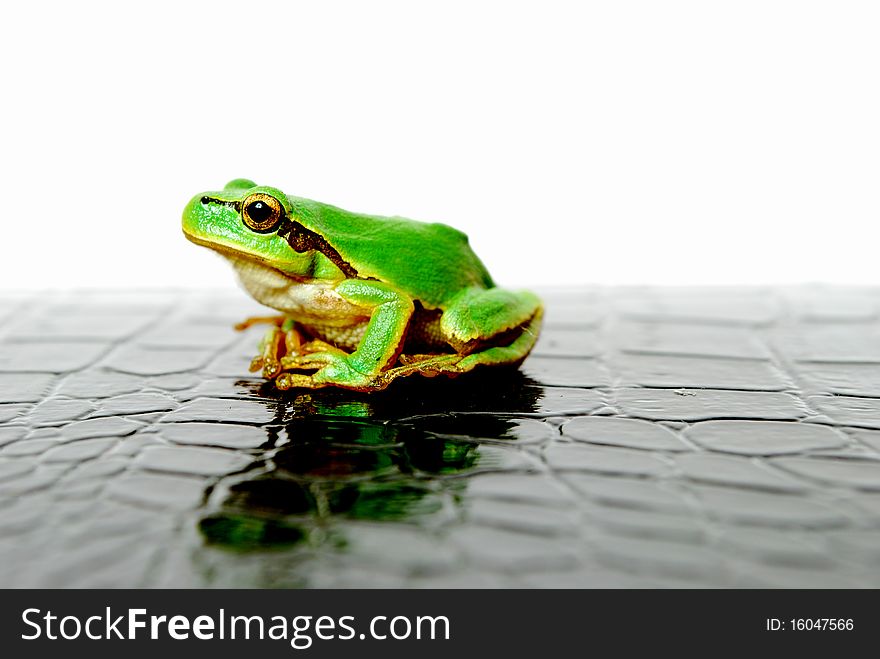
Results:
[614, 142]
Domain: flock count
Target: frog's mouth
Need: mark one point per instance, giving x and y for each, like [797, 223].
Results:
[299, 238]
[234, 255]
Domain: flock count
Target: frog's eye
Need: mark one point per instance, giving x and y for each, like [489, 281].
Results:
[261, 212]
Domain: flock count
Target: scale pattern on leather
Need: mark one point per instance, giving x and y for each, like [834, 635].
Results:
[656, 437]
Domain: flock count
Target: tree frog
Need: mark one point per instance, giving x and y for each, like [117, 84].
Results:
[364, 299]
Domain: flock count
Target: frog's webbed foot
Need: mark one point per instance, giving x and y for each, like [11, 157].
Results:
[284, 348]
[280, 340]
[332, 366]
[311, 356]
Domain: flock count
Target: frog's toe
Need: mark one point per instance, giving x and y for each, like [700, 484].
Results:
[310, 361]
[258, 320]
[287, 381]
[272, 346]
[316, 345]
[292, 340]
[271, 368]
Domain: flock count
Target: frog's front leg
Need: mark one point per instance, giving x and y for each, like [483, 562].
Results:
[250, 321]
[379, 348]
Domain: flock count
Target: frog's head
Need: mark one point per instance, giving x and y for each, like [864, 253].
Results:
[246, 221]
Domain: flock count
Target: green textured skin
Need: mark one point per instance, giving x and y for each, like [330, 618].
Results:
[477, 313]
[428, 262]
[398, 262]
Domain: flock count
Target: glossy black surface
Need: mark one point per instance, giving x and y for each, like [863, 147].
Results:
[656, 437]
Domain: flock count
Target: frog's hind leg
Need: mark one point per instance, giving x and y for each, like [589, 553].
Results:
[479, 318]
[486, 327]
[512, 354]
[455, 364]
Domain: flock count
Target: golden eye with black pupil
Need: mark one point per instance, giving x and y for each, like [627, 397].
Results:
[261, 212]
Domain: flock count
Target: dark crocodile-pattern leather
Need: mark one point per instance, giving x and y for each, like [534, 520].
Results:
[656, 437]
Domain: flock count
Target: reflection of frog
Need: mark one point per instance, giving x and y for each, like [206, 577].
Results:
[374, 298]
[337, 456]
[323, 474]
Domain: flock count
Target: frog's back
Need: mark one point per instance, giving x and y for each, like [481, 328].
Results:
[430, 262]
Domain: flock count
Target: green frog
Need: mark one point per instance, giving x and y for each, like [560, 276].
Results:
[363, 299]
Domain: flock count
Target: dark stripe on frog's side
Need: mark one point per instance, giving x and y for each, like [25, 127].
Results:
[301, 240]
[298, 237]
[234, 205]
